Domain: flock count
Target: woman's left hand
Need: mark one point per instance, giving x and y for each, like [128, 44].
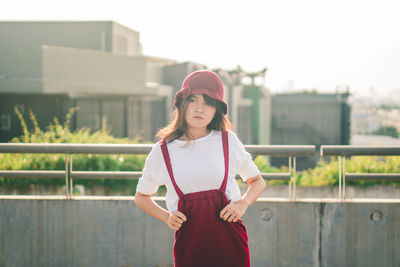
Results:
[234, 211]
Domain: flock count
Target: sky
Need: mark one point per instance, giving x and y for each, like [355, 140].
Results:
[305, 44]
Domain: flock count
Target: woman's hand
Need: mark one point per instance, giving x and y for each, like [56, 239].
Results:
[175, 220]
[234, 211]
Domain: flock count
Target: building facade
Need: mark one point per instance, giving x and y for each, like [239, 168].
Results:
[309, 119]
[97, 66]
[49, 67]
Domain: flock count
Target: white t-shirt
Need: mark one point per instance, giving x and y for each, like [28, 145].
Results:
[197, 166]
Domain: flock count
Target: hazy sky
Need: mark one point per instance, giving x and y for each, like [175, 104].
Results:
[309, 44]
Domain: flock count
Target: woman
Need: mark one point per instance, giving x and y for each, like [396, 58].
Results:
[197, 159]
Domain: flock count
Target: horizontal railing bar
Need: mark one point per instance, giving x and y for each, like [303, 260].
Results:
[75, 148]
[273, 176]
[281, 150]
[360, 150]
[276, 176]
[33, 174]
[272, 150]
[105, 175]
[372, 176]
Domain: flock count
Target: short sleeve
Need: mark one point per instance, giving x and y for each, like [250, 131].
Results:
[245, 166]
[150, 180]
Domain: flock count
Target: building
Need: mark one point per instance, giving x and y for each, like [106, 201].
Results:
[309, 119]
[97, 66]
[49, 67]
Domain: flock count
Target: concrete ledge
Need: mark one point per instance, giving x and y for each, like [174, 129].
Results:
[262, 199]
[112, 231]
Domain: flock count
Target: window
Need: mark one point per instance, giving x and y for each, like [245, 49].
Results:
[88, 114]
[5, 122]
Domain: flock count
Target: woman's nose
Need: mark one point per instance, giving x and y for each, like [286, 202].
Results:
[200, 107]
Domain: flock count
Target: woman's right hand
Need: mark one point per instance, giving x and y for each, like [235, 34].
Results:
[175, 220]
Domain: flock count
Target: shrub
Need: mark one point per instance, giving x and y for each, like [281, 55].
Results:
[326, 173]
[57, 133]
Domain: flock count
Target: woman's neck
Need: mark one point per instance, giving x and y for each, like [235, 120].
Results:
[196, 133]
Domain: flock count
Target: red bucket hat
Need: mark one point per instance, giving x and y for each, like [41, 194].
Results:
[202, 82]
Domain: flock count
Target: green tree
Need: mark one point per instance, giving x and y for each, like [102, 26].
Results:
[388, 130]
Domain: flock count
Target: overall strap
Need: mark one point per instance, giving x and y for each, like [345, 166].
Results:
[167, 161]
[226, 158]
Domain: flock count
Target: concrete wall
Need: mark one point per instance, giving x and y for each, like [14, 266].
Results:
[74, 56]
[96, 35]
[20, 48]
[19, 63]
[125, 41]
[272, 191]
[81, 71]
[55, 232]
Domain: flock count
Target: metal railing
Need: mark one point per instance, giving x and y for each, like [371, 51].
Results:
[346, 151]
[69, 149]
[289, 151]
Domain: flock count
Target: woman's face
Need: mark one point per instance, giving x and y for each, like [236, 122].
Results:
[198, 113]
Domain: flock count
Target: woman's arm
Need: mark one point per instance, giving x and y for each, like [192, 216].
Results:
[174, 219]
[234, 211]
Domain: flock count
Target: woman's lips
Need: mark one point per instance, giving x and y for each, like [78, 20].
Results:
[197, 117]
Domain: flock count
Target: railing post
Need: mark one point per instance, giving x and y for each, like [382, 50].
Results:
[344, 177]
[294, 178]
[340, 178]
[290, 180]
[70, 177]
[66, 176]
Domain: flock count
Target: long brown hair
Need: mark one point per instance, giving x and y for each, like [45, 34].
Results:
[178, 127]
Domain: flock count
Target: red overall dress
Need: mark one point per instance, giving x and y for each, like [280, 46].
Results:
[205, 239]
